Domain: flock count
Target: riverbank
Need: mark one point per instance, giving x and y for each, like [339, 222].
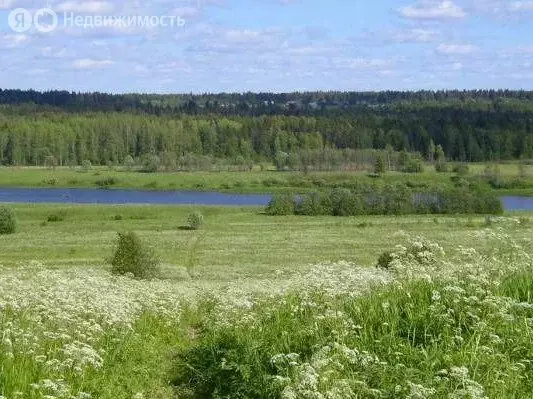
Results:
[511, 181]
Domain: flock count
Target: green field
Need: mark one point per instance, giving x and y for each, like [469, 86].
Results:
[210, 326]
[257, 181]
[234, 242]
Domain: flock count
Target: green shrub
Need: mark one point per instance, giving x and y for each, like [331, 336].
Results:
[58, 216]
[391, 199]
[195, 220]
[414, 165]
[129, 162]
[8, 222]
[442, 167]
[345, 203]
[272, 181]
[460, 182]
[150, 163]
[132, 256]
[107, 182]
[385, 260]
[86, 165]
[461, 169]
[498, 182]
[314, 205]
[397, 200]
[51, 181]
[281, 205]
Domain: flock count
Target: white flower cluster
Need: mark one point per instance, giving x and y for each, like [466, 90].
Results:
[323, 376]
[53, 322]
[463, 304]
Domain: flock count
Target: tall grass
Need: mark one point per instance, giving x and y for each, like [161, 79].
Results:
[454, 334]
[434, 324]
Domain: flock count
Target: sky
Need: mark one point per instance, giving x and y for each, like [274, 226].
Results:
[267, 45]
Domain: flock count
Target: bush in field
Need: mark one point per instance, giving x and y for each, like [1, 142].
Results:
[397, 200]
[195, 220]
[58, 216]
[107, 182]
[464, 201]
[413, 165]
[86, 165]
[132, 256]
[8, 222]
[281, 205]
[129, 162]
[442, 167]
[150, 163]
[489, 204]
[385, 260]
[461, 169]
[345, 203]
[314, 204]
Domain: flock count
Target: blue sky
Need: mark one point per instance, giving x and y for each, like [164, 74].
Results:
[274, 45]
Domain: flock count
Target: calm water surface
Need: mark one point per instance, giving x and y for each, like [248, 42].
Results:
[96, 196]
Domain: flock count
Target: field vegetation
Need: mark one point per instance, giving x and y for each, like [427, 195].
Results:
[262, 306]
[503, 179]
[384, 267]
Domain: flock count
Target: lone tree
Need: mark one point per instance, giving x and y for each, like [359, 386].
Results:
[379, 165]
[8, 222]
[131, 256]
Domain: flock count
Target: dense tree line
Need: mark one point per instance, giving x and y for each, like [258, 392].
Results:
[103, 128]
[386, 200]
[254, 104]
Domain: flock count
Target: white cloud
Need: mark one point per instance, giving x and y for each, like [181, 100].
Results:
[38, 71]
[186, 12]
[85, 7]
[457, 66]
[51, 52]
[12, 41]
[457, 49]
[88, 63]
[361, 63]
[6, 4]
[517, 6]
[215, 39]
[415, 35]
[242, 36]
[433, 10]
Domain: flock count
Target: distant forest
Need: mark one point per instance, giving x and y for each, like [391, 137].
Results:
[71, 128]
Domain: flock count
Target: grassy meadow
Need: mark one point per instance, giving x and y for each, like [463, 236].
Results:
[258, 181]
[257, 306]
[234, 241]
